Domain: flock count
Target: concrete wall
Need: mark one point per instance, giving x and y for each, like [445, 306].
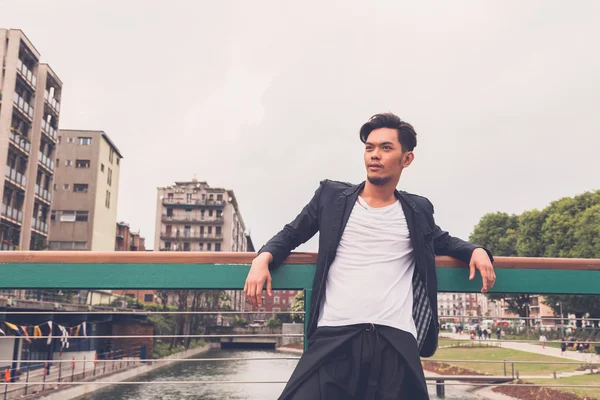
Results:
[105, 218]
[289, 329]
[6, 351]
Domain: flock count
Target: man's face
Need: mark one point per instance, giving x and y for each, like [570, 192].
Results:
[384, 158]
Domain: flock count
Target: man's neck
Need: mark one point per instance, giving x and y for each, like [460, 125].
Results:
[379, 196]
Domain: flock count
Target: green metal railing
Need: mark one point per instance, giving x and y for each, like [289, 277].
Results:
[228, 271]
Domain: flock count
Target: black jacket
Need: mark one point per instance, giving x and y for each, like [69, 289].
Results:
[329, 211]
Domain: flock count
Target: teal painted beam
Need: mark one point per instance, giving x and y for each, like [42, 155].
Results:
[292, 276]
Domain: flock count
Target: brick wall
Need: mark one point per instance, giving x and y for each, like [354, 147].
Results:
[134, 328]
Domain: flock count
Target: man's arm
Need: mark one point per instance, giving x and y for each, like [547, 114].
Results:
[476, 256]
[272, 254]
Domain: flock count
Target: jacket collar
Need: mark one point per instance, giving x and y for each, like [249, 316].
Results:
[354, 190]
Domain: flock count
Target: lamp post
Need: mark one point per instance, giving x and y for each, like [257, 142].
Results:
[562, 321]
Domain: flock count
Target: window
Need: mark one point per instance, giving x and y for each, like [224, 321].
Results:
[84, 141]
[210, 213]
[148, 298]
[217, 246]
[82, 163]
[275, 300]
[118, 161]
[201, 246]
[81, 216]
[218, 232]
[186, 246]
[167, 245]
[68, 163]
[188, 197]
[67, 245]
[67, 216]
[54, 186]
[101, 167]
[210, 230]
[111, 155]
[209, 247]
[219, 213]
[107, 201]
[219, 197]
[80, 187]
[59, 139]
[70, 140]
[53, 215]
[109, 177]
[66, 186]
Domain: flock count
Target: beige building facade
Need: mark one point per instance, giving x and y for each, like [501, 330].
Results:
[192, 216]
[30, 97]
[86, 191]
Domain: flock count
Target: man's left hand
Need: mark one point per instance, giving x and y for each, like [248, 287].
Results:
[481, 261]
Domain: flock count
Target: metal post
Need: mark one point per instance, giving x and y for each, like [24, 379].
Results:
[440, 389]
[27, 380]
[5, 390]
[307, 295]
[94, 373]
[46, 370]
[104, 370]
[504, 367]
[84, 367]
[513, 370]
[59, 370]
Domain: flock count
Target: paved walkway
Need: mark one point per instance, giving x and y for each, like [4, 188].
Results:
[531, 348]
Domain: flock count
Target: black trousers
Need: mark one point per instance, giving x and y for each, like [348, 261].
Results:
[358, 362]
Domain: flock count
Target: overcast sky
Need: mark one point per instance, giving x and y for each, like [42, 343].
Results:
[266, 98]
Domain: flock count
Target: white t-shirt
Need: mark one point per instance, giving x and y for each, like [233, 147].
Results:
[370, 279]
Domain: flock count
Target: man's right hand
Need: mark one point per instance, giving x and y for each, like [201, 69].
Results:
[257, 277]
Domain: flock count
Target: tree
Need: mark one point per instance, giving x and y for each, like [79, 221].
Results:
[568, 227]
[298, 306]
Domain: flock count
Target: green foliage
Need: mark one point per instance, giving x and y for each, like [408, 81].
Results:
[273, 323]
[569, 228]
[298, 306]
[239, 321]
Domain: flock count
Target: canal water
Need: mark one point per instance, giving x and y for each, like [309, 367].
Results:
[246, 370]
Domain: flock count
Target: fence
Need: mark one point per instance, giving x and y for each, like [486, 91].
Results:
[228, 271]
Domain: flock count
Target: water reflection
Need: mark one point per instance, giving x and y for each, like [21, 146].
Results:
[274, 370]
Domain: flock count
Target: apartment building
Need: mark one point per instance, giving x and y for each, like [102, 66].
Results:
[192, 216]
[458, 304]
[30, 96]
[86, 190]
[127, 240]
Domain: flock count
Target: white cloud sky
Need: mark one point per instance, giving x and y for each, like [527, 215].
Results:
[266, 98]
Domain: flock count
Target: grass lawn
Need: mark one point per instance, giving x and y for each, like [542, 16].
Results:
[589, 379]
[498, 353]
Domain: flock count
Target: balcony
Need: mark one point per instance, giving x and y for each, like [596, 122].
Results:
[12, 213]
[49, 131]
[43, 194]
[190, 236]
[194, 202]
[15, 177]
[20, 142]
[52, 102]
[26, 74]
[46, 161]
[39, 226]
[23, 106]
[191, 219]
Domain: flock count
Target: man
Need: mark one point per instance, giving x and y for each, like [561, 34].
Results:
[374, 299]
